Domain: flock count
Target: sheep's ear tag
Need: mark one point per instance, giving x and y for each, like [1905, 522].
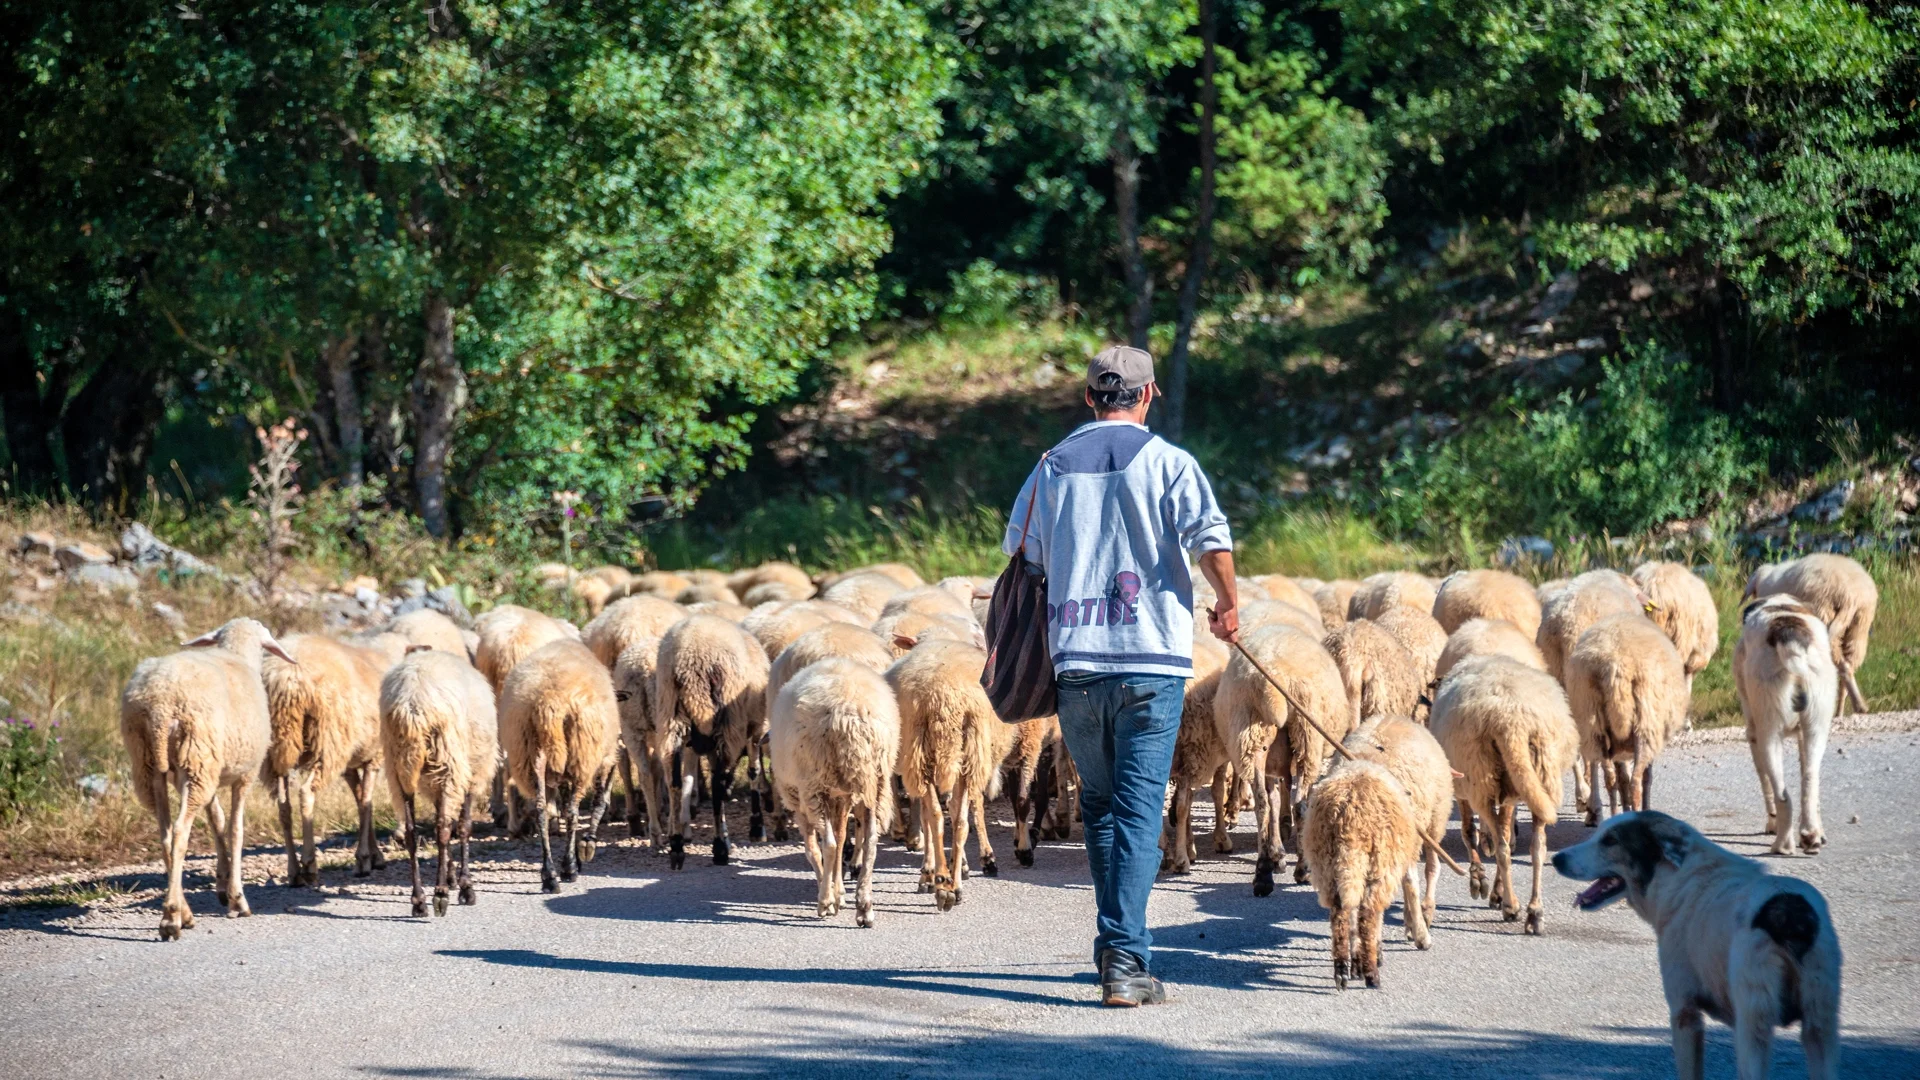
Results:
[1651, 607]
[622, 695]
[204, 640]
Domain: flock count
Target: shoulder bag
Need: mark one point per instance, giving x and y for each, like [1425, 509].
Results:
[1019, 673]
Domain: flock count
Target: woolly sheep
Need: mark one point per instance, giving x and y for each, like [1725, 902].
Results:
[662, 583]
[1783, 673]
[597, 586]
[1360, 846]
[1414, 757]
[1268, 742]
[706, 579]
[1251, 590]
[627, 620]
[1380, 676]
[1287, 591]
[428, 627]
[324, 707]
[829, 640]
[1507, 730]
[196, 722]
[1333, 599]
[963, 588]
[928, 600]
[946, 741]
[1627, 689]
[902, 631]
[1257, 613]
[1839, 591]
[864, 593]
[835, 732]
[633, 677]
[778, 625]
[1684, 610]
[1015, 755]
[1487, 637]
[438, 734]
[707, 594]
[710, 698]
[1419, 633]
[1583, 601]
[1382, 591]
[559, 727]
[733, 613]
[902, 574]
[771, 581]
[1486, 594]
[1199, 756]
[508, 634]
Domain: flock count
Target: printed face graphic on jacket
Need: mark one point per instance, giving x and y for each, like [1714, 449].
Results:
[1120, 607]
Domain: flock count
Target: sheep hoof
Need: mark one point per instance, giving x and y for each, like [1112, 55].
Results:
[169, 932]
[823, 910]
[780, 832]
[1592, 819]
[585, 850]
[1373, 980]
[1812, 842]
[221, 896]
[467, 898]
[1023, 857]
[1533, 922]
[1300, 872]
[361, 870]
[1222, 846]
[722, 851]
[989, 867]
[633, 826]
[567, 874]
[1340, 974]
[1510, 914]
[379, 858]
[756, 829]
[549, 883]
[926, 884]
[945, 899]
[420, 905]
[863, 916]
[1263, 877]
[676, 853]
[1423, 942]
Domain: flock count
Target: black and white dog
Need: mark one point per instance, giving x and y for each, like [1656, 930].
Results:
[1753, 950]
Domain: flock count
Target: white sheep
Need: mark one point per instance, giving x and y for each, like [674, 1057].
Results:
[864, 593]
[1784, 675]
[1287, 591]
[1627, 689]
[1199, 756]
[438, 731]
[1419, 633]
[633, 678]
[1382, 591]
[1486, 594]
[559, 728]
[324, 707]
[1507, 730]
[1839, 591]
[1415, 758]
[195, 722]
[835, 732]
[1334, 599]
[946, 744]
[1381, 677]
[1566, 612]
[1487, 637]
[425, 626]
[1684, 610]
[1359, 843]
[627, 620]
[709, 700]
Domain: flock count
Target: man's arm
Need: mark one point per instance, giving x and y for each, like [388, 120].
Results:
[1224, 619]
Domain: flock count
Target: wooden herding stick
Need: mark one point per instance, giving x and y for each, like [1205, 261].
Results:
[1431, 843]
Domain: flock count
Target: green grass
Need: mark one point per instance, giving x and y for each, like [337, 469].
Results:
[80, 894]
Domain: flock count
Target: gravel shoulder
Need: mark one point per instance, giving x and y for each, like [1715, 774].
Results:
[635, 971]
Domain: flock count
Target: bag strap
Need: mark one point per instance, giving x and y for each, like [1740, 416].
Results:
[1027, 521]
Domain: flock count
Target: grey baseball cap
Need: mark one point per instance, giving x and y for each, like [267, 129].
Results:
[1132, 367]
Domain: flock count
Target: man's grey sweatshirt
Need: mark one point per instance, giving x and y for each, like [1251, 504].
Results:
[1116, 506]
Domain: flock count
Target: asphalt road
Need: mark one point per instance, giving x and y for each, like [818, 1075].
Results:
[723, 971]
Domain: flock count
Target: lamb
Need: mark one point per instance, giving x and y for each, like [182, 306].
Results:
[1287, 591]
[864, 593]
[1684, 610]
[1507, 729]
[1839, 591]
[1487, 637]
[1414, 757]
[1583, 601]
[1199, 756]
[196, 722]
[1627, 688]
[1419, 633]
[835, 730]
[1263, 732]
[946, 743]
[1382, 591]
[1360, 845]
[438, 733]
[428, 627]
[1486, 594]
[324, 708]
[1334, 598]
[709, 698]
[627, 620]
[559, 726]
[1785, 677]
[1380, 676]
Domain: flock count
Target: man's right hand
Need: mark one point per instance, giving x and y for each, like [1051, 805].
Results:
[1224, 620]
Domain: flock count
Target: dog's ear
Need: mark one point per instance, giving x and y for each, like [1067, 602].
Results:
[1673, 839]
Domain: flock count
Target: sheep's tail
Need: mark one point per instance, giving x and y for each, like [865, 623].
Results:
[288, 698]
[1526, 771]
[147, 747]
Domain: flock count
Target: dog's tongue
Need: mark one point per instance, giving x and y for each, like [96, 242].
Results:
[1600, 891]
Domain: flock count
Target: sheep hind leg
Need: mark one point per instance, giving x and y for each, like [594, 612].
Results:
[175, 916]
[411, 819]
[217, 825]
[1476, 870]
[1539, 858]
[1503, 854]
[988, 866]
[869, 853]
[309, 858]
[721, 787]
[443, 866]
[1414, 913]
[548, 882]
[756, 810]
[1225, 810]
[466, 850]
[1265, 822]
[1373, 910]
[1340, 930]
[283, 795]
[957, 822]
[1022, 799]
[627, 767]
[841, 816]
[1175, 836]
[810, 831]
[597, 803]
[685, 768]
[363, 838]
[570, 846]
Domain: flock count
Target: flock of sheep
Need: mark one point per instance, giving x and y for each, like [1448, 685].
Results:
[854, 702]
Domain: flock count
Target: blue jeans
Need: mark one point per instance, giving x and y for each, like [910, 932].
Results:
[1121, 730]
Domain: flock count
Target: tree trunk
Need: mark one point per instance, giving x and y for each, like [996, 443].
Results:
[439, 393]
[337, 356]
[1176, 415]
[386, 442]
[1126, 204]
[30, 417]
[108, 430]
